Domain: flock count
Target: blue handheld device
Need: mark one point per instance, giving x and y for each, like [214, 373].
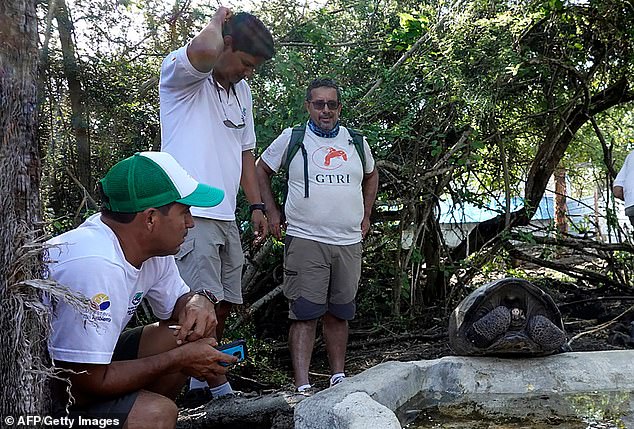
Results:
[237, 348]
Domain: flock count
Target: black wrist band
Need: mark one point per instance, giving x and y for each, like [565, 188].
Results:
[207, 294]
[258, 206]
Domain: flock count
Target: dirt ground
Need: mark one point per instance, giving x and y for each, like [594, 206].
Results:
[594, 320]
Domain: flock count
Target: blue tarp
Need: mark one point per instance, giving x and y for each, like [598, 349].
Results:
[470, 213]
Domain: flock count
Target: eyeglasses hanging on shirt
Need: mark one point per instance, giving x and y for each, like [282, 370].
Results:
[228, 122]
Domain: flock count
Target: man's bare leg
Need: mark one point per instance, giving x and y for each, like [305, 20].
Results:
[301, 340]
[336, 338]
[223, 308]
[158, 338]
[152, 411]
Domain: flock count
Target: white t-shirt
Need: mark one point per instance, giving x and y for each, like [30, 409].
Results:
[333, 211]
[89, 260]
[192, 128]
[625, 178]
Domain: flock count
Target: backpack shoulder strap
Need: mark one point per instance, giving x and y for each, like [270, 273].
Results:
[294, 145]
[357, 140]
[296, 141]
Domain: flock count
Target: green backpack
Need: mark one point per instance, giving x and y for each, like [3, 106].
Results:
[297, 143]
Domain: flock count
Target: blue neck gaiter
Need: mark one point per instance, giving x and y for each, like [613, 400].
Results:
[321, 133]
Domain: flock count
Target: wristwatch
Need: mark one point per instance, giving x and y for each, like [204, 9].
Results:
[257, 206]
[207, 294]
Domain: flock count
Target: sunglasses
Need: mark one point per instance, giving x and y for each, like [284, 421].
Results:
[320, 104]
[228, 122]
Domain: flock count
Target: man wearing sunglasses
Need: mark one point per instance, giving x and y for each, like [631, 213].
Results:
[207, 125]
[332, 185]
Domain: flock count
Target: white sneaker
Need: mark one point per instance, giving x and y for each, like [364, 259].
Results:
[336, 379]
[306, 390]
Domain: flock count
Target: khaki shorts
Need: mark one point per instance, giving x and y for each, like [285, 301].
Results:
[211, 258]
[320, 278]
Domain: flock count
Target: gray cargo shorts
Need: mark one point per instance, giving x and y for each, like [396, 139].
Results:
[211, 258]
[320, 278]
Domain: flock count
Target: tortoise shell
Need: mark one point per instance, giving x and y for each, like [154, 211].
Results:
[506, 317]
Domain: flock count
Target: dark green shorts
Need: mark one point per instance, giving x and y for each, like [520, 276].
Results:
[117, 409]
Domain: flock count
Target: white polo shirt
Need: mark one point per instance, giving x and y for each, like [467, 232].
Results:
[625, 178]
[192, 128]
[89, 260]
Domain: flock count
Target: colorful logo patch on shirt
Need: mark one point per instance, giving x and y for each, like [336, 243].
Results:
[137, 298]
[101, 301]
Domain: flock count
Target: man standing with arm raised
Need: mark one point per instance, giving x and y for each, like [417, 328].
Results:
[207, 125]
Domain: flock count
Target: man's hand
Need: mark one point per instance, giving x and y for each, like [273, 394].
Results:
[222, 15]
[197, 319]
[203, 360]
[260, 228]
[365, 226]
[264, 173]
[619, 192]
[208, 45]
[275, 222]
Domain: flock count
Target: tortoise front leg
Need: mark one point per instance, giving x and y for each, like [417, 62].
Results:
[545, 333]
[489, 327]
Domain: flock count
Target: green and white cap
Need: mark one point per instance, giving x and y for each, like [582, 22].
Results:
[154, 179]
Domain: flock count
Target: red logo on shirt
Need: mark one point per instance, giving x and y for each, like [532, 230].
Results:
[329, 158]
[334, 153]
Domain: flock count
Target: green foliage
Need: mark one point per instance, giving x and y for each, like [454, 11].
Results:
[462, 90]
[409, 30]
[263, 364]
[526, 237]
[623, 262]
[373, 300]
[493, 265]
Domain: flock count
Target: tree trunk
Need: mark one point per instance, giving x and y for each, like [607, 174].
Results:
[561, 209]
[436, 284]
[23, 340]
[554, 146]
[79, 116]
[549, 154]
[264, 411]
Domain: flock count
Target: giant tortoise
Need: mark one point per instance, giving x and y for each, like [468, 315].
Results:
[506, 317]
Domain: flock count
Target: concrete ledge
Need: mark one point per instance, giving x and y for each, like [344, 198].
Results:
[389, 385]
[359, 411]
[540, 387]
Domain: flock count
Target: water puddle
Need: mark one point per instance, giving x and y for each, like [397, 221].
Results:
[563, 411]
[433, 419]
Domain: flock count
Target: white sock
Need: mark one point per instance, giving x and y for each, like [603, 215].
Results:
[303, 387]
[194, 383]
[222, 390]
